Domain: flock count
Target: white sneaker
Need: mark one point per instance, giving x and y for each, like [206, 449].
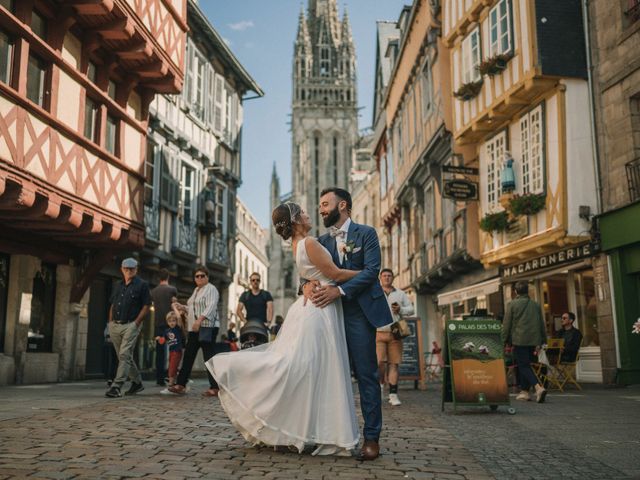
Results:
[394, 400]
[541, 394]
[523, 395]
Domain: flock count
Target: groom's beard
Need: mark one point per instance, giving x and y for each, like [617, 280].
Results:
[332, 217]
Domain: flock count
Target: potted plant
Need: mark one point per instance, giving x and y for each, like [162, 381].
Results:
[495, 222]
[493, 65]
[527, 204]
[468, 90]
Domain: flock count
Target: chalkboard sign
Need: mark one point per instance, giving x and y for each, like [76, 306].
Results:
[412, 366]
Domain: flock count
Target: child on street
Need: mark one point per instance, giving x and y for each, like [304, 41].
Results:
[174, 338]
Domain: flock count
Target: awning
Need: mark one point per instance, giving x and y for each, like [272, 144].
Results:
[472, 291]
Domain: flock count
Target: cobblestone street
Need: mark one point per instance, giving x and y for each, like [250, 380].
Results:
[72, 431]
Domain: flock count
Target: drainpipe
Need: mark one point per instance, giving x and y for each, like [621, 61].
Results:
[592, 105]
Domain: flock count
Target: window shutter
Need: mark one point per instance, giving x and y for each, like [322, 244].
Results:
[219, 105]
[169, 185]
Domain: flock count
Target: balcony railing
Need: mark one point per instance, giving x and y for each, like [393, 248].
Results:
[152, 221]
[217, 251]
[186, 238]
[633, 179]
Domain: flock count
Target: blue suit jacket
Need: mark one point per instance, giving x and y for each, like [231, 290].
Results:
[365, 287]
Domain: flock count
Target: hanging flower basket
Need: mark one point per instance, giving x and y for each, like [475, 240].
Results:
[468, 90]
[527, 204]
[494, 65]
[495, 222]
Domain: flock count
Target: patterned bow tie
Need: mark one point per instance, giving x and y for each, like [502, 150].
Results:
[335, 232]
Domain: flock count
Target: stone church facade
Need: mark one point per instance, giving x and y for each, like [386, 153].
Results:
[324, 126]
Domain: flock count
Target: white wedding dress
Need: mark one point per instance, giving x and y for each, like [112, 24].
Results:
[296, 390]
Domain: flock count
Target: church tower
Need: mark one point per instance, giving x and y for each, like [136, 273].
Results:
[324, 118]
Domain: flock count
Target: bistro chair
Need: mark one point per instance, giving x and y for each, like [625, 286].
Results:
[567, 372]
[549, 374]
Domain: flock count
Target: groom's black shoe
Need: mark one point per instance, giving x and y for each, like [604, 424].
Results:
[370, 450]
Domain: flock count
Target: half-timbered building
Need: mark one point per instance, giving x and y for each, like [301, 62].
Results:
[76, 81]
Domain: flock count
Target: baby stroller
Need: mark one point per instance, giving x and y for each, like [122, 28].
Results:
[253, 333]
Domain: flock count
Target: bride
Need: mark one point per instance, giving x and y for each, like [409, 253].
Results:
[296, 390]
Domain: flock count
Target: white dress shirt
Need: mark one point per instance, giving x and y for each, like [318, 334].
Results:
[342, 239]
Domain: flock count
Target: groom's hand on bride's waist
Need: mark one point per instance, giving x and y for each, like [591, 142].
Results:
[307, 290]
[324, 295]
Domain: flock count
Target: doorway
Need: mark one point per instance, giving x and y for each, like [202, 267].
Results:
[97, 322]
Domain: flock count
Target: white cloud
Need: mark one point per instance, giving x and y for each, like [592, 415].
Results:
[241, 25]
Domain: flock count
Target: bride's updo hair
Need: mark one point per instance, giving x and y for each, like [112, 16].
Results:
[284, 217]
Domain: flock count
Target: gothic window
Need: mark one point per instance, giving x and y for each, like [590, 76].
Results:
[500, 36]
[471, 57]
[494, 156]
[325, 62]
[532, 142]
[6, 51]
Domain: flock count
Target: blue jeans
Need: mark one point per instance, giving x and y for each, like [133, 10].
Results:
[523, 356]
[361, 343]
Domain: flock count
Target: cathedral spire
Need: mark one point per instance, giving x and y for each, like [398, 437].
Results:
[346, 36]
[303, 31]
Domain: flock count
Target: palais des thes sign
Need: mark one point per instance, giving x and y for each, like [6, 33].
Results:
[567, 255]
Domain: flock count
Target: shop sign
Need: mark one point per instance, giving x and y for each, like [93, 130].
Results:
[568, 255]
[460, 170]
[460, 190]
[475, 352]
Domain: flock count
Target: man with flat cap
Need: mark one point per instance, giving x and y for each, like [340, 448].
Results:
[130, 303]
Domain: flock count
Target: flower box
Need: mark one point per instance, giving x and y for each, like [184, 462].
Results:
[495, 222]
[468, 90]
[527, 204]
[494, 65]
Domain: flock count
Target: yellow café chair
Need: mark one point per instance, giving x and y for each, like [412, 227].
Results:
[552, 377]
[567, 372]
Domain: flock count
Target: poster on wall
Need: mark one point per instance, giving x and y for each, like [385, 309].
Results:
[475, 355]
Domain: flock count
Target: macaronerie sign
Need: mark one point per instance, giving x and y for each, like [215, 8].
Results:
[566, 255]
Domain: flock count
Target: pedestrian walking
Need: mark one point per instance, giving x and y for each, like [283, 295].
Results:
[162, 297]
[130, 303]
[523, 327]
[258, 303]
[173, 339]
[109, 357]
[203, 326]
[388, 344]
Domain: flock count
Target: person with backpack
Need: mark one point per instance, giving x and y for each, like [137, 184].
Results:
[257, 303]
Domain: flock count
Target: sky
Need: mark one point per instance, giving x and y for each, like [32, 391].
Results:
[261, 34]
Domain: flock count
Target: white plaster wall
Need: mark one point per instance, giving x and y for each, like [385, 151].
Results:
[581, 183]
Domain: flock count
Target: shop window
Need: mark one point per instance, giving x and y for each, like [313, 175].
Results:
[91, 115]
[43, 294]
[6, 53]
[111, 135]
[587, 316]
[500, 35]
[532, 150]
[471, 57]
[39, 25]
[36, 80]
[494, 155]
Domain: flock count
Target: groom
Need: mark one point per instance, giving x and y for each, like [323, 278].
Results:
[356, 247]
